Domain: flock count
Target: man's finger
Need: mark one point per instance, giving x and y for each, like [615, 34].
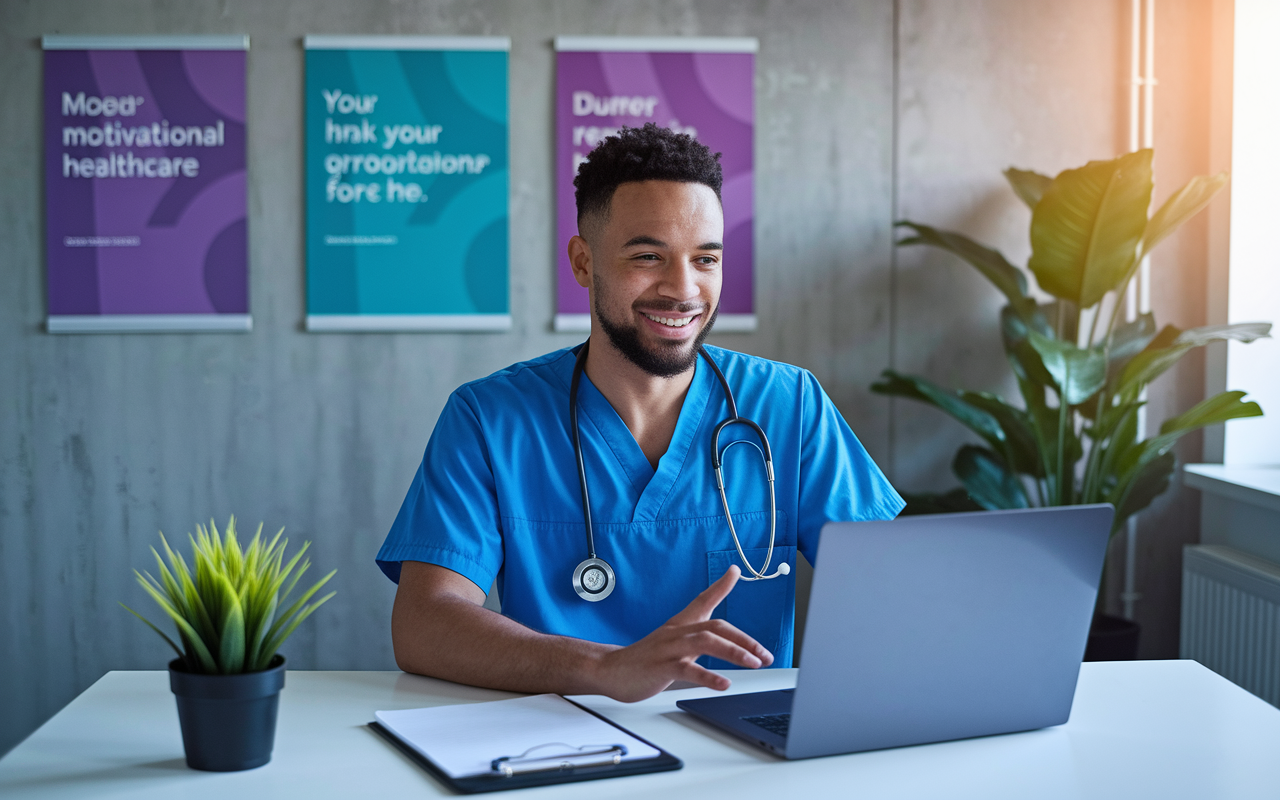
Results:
[727, 630]
[702, 676]
[702, 606]
[706, 643]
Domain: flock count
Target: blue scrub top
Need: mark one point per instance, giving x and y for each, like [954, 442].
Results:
[497, 496]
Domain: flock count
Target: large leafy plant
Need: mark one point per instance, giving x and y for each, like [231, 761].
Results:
[1080, 369]
[226, 608]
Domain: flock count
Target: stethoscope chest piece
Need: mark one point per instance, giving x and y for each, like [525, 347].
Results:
[593, 580]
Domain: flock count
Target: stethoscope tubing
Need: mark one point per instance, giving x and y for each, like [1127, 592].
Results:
[717, 455]
[579, 366]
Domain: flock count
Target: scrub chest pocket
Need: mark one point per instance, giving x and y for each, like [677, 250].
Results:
[764, 610]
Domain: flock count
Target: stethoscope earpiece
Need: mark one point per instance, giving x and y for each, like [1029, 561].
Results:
[593, 580]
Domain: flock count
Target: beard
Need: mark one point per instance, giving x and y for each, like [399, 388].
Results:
[666, 359]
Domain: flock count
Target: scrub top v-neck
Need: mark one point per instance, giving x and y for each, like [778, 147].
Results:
[496, 497]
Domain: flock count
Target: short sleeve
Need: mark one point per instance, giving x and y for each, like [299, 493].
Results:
[838, 480]
[450, 515]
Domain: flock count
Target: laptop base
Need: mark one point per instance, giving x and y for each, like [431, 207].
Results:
[731, 713]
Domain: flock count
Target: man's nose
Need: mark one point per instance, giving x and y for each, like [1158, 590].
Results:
[680, 281]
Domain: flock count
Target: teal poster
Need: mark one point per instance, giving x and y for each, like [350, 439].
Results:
[407, 183]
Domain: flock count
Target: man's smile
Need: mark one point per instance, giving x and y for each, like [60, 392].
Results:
[671, 322]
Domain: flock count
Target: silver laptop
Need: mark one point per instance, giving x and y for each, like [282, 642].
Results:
[932, 628]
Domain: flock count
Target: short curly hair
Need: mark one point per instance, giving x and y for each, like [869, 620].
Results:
[650, 153]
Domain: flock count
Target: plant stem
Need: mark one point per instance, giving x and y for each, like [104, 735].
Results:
[1062, 447]
[1090, 478]
[1093, 325]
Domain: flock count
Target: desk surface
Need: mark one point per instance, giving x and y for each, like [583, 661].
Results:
[1154, 729]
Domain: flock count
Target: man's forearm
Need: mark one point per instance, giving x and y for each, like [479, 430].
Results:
[453, 638]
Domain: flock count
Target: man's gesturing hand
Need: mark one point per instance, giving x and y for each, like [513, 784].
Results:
[668, 654]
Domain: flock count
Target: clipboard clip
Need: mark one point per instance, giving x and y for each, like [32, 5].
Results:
[567, 757]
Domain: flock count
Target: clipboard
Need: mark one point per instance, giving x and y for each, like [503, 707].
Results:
[565, 766]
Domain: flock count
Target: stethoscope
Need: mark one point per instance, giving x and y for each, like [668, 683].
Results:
[593, 579]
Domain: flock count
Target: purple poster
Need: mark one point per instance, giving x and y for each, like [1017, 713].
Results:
[144, 147]
[703, 87]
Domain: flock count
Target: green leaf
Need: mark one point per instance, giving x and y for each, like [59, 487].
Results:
[915, 388]
[996, 268]
[1129, 339]
[987, 480]
[194, 609]
[201, 652]
[1044, 421]
[257, 636]
[163, 635]
[282, 621]
[1024, 359]
[1077, 373]
[1241, 332]
[231, 647]
[1148, 483]
[1114, 438]
[1171, 344]
[1112, 419]
[1181, 206]
[1086, 229]
[1029, 186]
[954, 501]
[278, 639]
[1219, 408]
[1020, 448]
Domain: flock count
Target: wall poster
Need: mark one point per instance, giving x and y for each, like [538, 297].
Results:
[144, 151]
[406, 183]
[700, 86]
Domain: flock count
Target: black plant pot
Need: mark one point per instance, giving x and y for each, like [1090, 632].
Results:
[228, 721]
[1112, 639]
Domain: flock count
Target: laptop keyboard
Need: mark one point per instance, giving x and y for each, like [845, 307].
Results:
[774, 723]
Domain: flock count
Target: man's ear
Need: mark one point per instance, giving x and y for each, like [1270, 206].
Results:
[580, 260]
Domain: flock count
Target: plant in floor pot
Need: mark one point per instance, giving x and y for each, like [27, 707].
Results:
[227, 608]
[1081, 369]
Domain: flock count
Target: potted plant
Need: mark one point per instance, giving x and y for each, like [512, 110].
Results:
[228, 674]
[1081, 370]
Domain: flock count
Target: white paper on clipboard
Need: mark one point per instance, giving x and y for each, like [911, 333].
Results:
[463, 740]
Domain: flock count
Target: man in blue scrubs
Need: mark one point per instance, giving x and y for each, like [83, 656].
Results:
[497, 495]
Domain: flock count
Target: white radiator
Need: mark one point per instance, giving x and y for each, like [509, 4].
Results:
[1231, 617]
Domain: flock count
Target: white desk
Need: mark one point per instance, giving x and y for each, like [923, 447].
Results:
[1155, 729]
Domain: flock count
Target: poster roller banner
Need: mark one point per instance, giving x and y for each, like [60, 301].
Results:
[701, 86]
[144, 148]
[407, 183]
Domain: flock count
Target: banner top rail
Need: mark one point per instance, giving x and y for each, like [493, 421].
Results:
[317, 42]
[184, 42]
[658, 44]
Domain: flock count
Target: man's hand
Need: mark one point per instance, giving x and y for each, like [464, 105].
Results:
[440, 628]
[669, 654]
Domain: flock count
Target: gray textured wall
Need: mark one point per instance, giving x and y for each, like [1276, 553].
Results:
[866, 111]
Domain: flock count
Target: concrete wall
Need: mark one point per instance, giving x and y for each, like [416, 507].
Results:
[867, 111]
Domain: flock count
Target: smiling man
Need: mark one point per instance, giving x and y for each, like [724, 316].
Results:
[584, 481]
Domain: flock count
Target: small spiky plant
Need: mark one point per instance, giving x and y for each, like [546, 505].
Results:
[226, 609]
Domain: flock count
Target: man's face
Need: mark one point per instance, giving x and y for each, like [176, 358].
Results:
[654, 270]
